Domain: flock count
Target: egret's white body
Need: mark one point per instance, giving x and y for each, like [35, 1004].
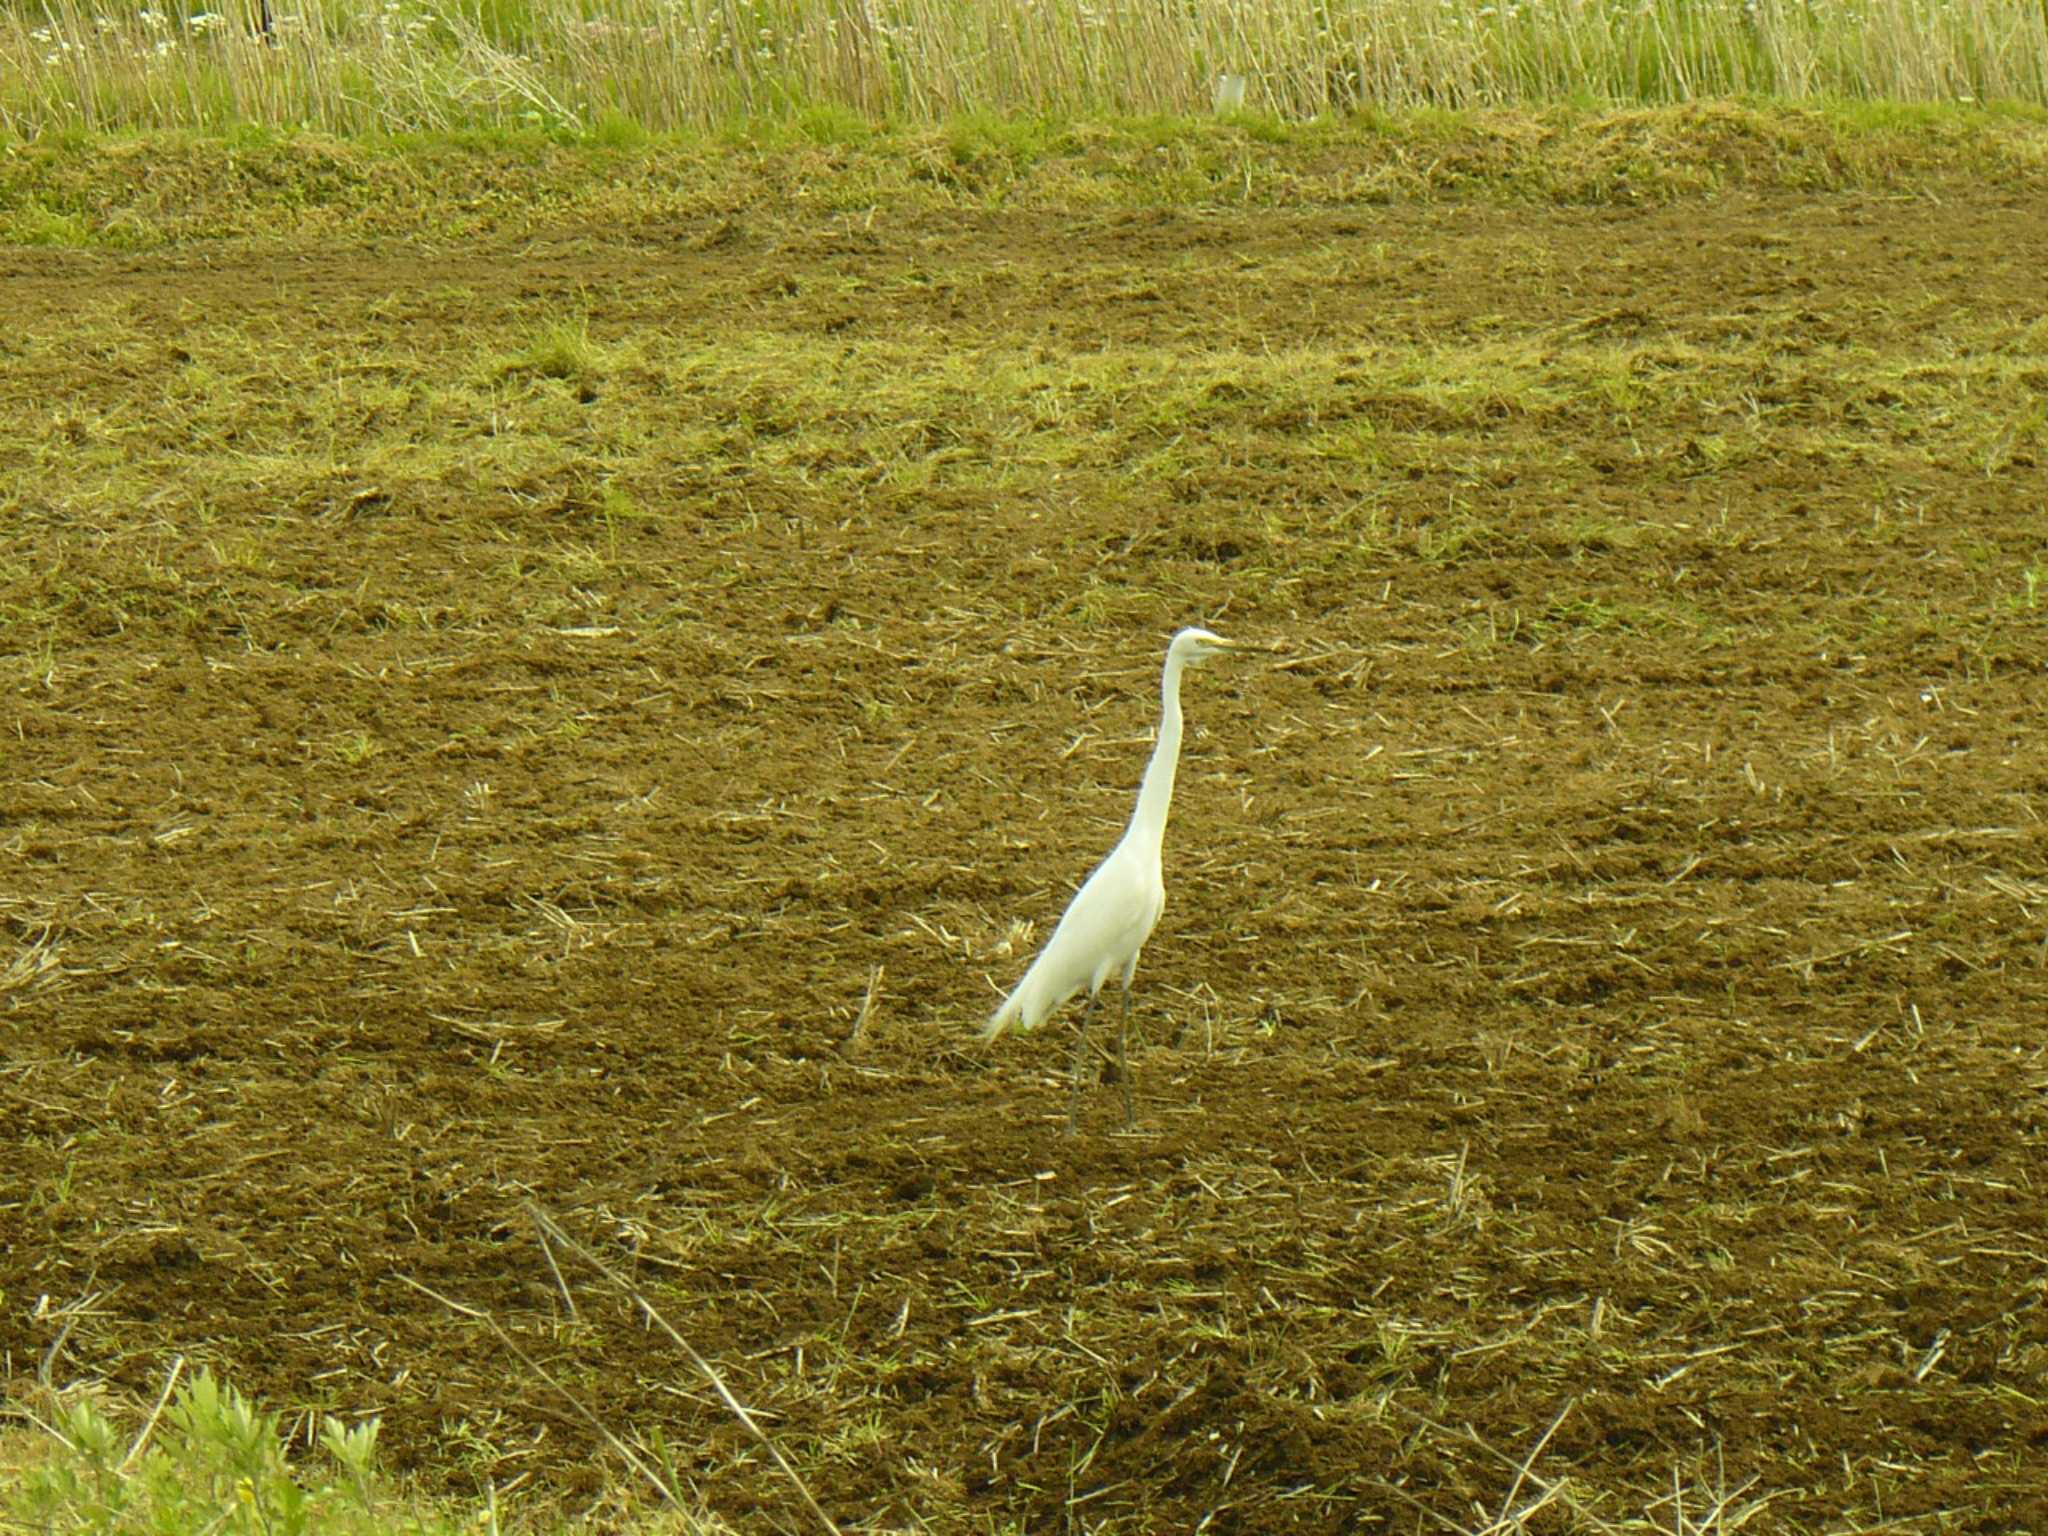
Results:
[1105, 927]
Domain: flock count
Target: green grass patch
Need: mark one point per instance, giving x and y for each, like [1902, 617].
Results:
[34, 224]
[212, 1462]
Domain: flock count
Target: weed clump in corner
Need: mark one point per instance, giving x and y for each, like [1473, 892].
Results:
[210, 1460]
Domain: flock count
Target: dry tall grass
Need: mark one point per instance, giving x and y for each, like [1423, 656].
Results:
[349, 65]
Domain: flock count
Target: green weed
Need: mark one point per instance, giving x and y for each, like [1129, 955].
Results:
[34, 224]
[352, 749]
[561, 349]
[213, 1463]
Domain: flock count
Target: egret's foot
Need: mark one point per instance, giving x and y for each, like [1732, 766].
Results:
[1124, 1075]
[1074, 1089]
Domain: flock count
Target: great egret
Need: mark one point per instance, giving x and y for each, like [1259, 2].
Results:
[1113, 914]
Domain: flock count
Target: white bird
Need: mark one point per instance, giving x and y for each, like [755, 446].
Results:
[1114, 912]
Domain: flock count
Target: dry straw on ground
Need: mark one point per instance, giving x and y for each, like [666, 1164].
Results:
[484, 717]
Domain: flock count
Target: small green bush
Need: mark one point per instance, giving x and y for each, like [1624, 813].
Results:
[214, 1464]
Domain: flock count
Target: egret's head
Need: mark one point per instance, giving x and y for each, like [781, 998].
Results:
[1195, 646]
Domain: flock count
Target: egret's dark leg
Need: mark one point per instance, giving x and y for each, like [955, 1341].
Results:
[1123, 1064]
[1080, 1055]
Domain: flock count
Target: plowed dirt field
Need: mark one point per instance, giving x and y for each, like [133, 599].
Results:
[583, 719]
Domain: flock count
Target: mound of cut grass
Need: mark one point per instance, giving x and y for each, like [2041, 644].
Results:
[91, 190]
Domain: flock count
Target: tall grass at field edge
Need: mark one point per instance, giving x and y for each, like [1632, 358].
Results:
[637, 67]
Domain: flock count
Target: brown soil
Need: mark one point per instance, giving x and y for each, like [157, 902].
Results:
[1602, 1016]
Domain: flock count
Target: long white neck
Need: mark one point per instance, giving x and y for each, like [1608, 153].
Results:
[1155, 794]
